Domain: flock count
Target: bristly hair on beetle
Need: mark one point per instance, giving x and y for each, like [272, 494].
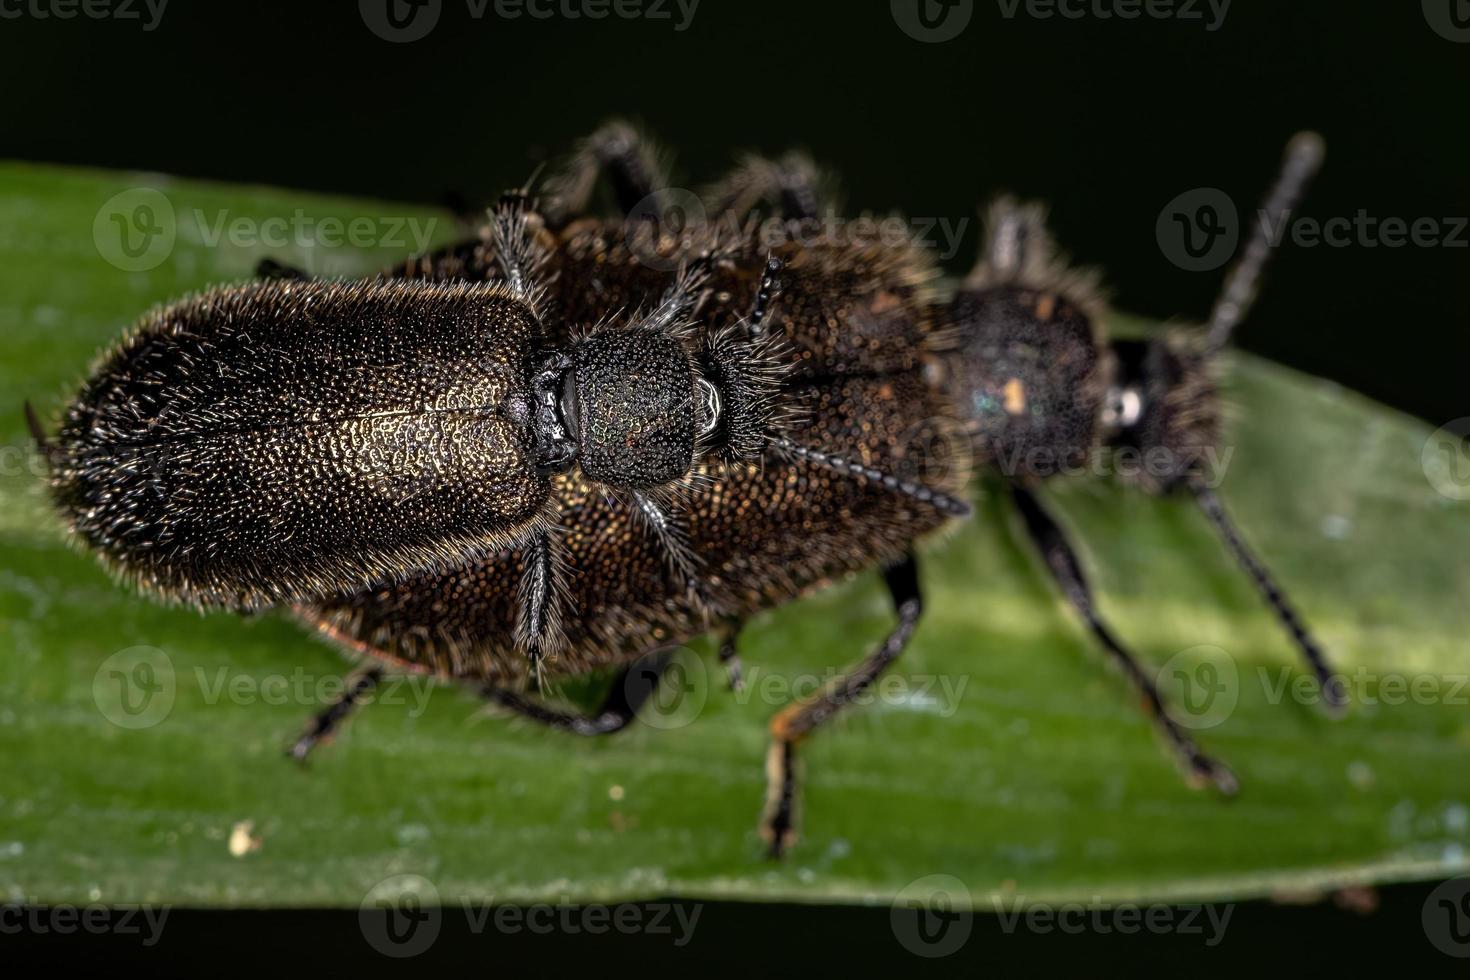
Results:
[262, 443]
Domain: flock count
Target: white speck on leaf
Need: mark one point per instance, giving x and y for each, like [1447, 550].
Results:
[242, 841]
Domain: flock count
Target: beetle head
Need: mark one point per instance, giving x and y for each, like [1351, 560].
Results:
[638, 406]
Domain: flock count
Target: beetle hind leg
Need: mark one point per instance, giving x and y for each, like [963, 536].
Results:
[790, 186]
[798, 720]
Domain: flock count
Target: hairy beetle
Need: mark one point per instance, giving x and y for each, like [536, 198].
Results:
[1040, 388]
[758, 425]
[290, 439]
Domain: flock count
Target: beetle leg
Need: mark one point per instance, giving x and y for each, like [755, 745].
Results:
[673, 541]
[791, 183]
[520, 259]
[1334, 698]
[271, 269]
[1061, 560]
[617, 151]
[634, 683]
[798, 720]
[730, 655]
[329, 718]
[538, 628]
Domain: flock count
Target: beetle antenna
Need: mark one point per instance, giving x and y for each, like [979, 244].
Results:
[938, 499]
[770, 286]
[1302, 161]
[1333, 697]
[525, 189]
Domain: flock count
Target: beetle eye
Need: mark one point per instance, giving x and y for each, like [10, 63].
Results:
[571, 406]
[710, 416]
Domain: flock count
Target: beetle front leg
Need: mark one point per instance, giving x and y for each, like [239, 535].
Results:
[1061, 560]
[331, 717]
[795, 722]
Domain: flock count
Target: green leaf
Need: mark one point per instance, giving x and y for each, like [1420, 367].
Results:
[1004, 753]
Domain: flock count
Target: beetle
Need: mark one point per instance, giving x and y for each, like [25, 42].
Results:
[762, 423]
[287, 439]
[1041, 388]
[713, 441]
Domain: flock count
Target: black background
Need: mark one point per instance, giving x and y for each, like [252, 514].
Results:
[1107, 119]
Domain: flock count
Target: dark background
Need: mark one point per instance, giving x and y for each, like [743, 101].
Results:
[1107, 119]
